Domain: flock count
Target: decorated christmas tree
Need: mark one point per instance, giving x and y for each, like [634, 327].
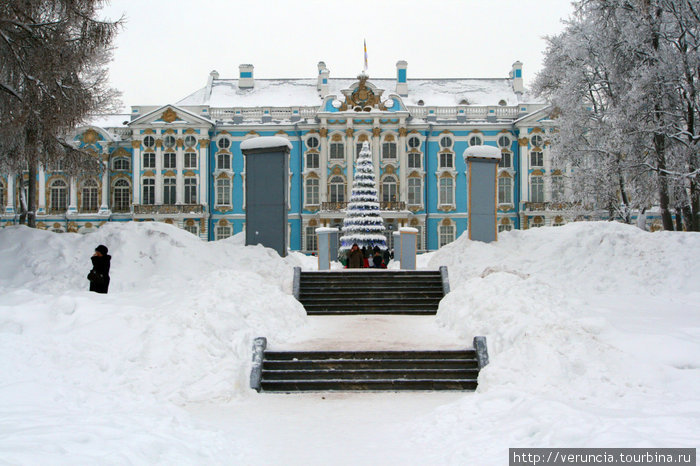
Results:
[362, 224]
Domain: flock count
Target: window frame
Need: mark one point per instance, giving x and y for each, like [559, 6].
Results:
[312, 191]
[148, 191]
[223, 193]
[190, 184]
[445, 193]
[415, 191]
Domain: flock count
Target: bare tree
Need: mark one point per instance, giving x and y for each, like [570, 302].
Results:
[53, 75]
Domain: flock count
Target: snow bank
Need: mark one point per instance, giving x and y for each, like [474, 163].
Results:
[484, 152]
[266, 142]
[175, 328]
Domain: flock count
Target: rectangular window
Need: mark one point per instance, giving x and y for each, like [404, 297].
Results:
[337, 150]
[446, 191]
[149, 160]
[122, 196]
[537, 186]
[446, 160]
[149, 191]
[190, 160]
[447, 234]
[414, 159]
[312, 191]
[190, 190]
[170, 160]
[415, 191]
[89, 200]
[169, 189]
[505, 161]
[192, 229]
[536, 159]
[557, 188]
[389, 150]
[505, 191]
[358, 147]
[223, 231]
[223, 191]
[312, 160]
[311, 239]
[223, 161]
[419, 238]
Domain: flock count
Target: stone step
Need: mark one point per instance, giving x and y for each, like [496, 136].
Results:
[369, 355]
[370, 374]
[349, 364]
[367, 385]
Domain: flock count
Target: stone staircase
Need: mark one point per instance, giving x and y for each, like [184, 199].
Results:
[371, 291]
[368, 292]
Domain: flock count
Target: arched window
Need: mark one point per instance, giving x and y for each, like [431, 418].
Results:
[312, 142]
[223, 143]
[536, 140]
[311, 239]
[389, 192]
[58, 200]
[190, 190]
[312, 191]
[223, 192]
[415, 191]
[337, 189]
[122, 196]
[88, 196]
[121, 163]
[445, 142]
[413, 142]
[537, 222]
[169, 141]
[190, 141]
[505, 190]
[537, 187]
[149, 141]
[504, 142]
[169, 190]
[149, 191]
[446, 191]
[223, 161]
[447, 233]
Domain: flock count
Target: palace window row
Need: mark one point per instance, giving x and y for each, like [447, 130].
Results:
[169, 161]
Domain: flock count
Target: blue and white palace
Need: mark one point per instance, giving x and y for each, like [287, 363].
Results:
[182, 163]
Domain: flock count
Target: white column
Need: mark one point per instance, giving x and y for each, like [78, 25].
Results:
[350, 161]
[524, 175]
[548, 174]
[323, 167]
[73, 202]
[135, 173]
[179, 173]
[104, 206]
[202, 189]
[41, 202]
[376, 131]
[159, 172]
[403, 166]
[10, 209]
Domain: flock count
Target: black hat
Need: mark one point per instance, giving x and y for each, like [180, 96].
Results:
[102, 249]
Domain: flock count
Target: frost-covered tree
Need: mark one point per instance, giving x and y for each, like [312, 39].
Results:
[362, 224]
[53, 56]
[623, 77]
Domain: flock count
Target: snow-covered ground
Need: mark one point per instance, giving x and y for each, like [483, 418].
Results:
[593, 332]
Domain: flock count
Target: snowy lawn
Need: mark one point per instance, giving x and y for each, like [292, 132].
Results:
[593, 332]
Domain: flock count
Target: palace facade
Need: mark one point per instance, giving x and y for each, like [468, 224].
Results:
[182, 163]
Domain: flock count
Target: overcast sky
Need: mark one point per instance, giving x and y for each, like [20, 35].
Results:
[168, 47]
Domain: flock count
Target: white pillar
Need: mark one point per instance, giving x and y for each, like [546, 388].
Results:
[376, 131]
[159, 172]
[10, 209]
[73, 201]
[350, 161]
[179, 172]
[104, 205]
[323, 167]
[135, 172]
[202, 190]
[403, 167]
[41, 202]
[524, 175]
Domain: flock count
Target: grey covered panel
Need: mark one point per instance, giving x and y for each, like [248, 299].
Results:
[482, 199]
[324, 249]
[408, 250]
[267, 184]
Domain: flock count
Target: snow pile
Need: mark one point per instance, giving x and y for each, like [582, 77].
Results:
[592, 333]
[176, 328]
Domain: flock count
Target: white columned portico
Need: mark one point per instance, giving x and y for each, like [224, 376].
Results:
[41, 202]
[10, 207]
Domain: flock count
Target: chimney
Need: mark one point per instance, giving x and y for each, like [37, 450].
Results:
[517, 76]
[212, 76]
[401, 79]
[245, 77]
[323, 73]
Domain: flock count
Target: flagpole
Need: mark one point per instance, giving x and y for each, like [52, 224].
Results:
[365, 69]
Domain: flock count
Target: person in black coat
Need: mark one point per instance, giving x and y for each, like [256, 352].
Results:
[99, 275]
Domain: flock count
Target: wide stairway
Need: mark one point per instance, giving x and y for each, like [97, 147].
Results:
[369, 370]
[371, 292]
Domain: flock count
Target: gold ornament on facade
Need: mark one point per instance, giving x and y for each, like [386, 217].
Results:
[203, 142]
[149, 131]
[323, 132]
[159, 143]
[403, 132]
[523, 141]
[249, 133]
[72, 227]
[189, 173]
[349, 132]
[169, 131]
[336, 170]
[180, 142]
[363, 138]
[389, 170]
[189, 131]
[414, 208]
[90, 136]
[337, 137]
[40, 225]
[363, 98]
[57, 225]
[135, 144]
[202, 225]
[169, 116]
[169, 173]
[376, 132]
[148, 173]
